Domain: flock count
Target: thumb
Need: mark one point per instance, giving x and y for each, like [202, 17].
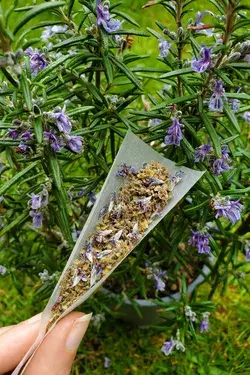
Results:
[56, 354]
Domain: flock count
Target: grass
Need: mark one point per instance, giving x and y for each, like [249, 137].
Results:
[224, 350]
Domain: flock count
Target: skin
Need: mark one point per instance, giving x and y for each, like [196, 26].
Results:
[53, 356]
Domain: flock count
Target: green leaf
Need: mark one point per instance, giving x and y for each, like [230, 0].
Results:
[126, 17]
[129, 32]
[9, 77]
[17, 177]
[20, 219]
[69, 42]
[34, 11]
[240, 65]
[108, 69]
[232, 118]
[212, 133]
[78, 111]
[9, 142]
[38, 125]
[177, 72]
[61, 195]
[25, 86]
[70, 7]
[126, 71]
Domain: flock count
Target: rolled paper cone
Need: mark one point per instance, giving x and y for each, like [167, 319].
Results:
[136, 153]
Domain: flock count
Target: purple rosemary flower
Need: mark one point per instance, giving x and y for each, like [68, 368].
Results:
[55, 141]
[204, 326]
[113, 25]
[155, 121]
[247, 249]
[112, 202]
[1, 199]
[126, 170]
[39, 200]
[153, 272]
[246, 116]
[160, 284]
[247, 58]
[27, 136]
[104, 19]
[13, 133]
[219, 166]
[204, 63]
[62, 120]
[103, 253]
[231, 210]
[3, 270]
[35, 201]
[37, 61]
[164, 47]
[225, 152]
[103, 15]
[168, 346]
[74, 142]
[199, 24]
[37, 218]
[23, 147]
[235, 103]
[107, 362]
[201, 241]
[202, 152]
[174, 134]
[216, 102]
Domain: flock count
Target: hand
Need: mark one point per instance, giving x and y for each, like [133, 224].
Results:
[55, 355]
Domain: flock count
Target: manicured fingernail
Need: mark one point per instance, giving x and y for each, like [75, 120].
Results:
[34, 318]
[77, 332]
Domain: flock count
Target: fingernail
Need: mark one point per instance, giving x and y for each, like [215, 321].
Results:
[77, 332]
[34, 318]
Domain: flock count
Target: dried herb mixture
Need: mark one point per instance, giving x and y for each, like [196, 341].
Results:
[122, 224]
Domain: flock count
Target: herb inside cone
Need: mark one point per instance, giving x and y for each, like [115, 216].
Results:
[122, 224]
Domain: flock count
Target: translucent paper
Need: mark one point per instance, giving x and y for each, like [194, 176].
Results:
[136, 153]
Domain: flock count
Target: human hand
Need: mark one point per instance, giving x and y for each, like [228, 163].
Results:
[56, 354]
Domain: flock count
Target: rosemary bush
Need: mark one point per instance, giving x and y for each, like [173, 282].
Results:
[71, 87]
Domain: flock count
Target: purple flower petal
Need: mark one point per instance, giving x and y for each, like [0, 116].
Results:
[174, 134]
[200, 66]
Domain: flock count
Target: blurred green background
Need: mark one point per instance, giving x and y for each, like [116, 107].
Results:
[224, 350]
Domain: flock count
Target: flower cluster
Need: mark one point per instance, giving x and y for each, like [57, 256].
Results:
[37, 203]
[224, 207]
[200, 66]
[218, 165]
[104, 19]
[37, 60]
[64, 139]
[21, 132]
